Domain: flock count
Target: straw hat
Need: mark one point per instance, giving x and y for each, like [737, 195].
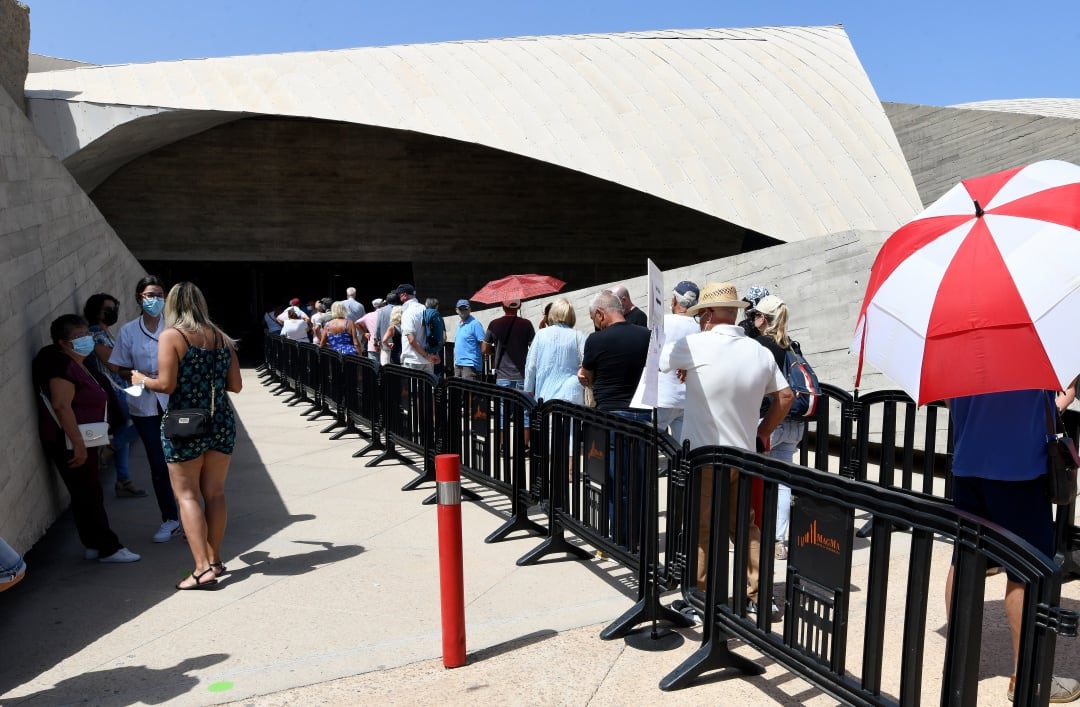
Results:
[717, 294]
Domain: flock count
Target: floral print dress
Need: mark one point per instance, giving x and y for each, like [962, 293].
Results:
[202, 374]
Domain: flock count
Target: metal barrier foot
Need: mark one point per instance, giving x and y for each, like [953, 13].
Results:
[415, 483]
[556, 543]
[713, 655]
[333, 426]
[387, 454]
[639, 613]
[373, 446]
[514, 524]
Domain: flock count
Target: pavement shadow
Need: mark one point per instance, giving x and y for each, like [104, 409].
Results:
[126, 685]
[514, 644]
[66, 603]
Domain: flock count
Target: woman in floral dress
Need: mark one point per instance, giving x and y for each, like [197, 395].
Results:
[197, 364]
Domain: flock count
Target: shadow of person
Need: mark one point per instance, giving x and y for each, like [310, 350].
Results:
[261, 562]
[126, 685]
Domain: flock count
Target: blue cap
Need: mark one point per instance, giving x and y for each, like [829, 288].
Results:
[463, 303]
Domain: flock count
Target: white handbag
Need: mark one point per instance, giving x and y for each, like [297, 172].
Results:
[94, 434]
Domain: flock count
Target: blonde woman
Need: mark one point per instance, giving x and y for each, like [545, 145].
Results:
[770, 317]
[554, 357]
[339, 333]
[197, 364]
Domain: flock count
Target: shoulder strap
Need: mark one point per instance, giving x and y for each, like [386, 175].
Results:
[502, 343]
[181, 333]
[1053, 418]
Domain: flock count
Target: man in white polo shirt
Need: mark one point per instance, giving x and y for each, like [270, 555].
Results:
[727, 374]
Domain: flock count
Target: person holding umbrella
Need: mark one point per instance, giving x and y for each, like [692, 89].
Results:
[974, 302]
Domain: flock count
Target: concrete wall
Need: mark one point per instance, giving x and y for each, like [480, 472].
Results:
[14, 49]
[946, 145]
[55, 251]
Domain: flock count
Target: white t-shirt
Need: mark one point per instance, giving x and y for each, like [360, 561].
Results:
[727, 375]
[412, 322]
[670, 393]
[295, 329]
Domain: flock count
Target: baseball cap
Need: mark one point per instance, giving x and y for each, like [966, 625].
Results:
[294, 301]
[686, 286]
[463, 304]
[406, 289]
[511, 303]
[377, 302]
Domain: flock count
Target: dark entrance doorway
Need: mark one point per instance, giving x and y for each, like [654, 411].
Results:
[239, 292]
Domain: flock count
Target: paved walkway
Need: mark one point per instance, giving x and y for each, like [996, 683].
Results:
[333, 600]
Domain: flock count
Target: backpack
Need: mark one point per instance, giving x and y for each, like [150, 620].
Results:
[803, 381]
[434, 331]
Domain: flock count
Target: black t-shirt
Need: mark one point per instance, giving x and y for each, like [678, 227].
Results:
[616, 356]
[516, 333]
[636, 316]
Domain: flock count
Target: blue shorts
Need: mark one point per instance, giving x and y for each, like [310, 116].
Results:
[1018, 506]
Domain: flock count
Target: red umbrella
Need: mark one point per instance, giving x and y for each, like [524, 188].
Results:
[518, 287]
[981, 292]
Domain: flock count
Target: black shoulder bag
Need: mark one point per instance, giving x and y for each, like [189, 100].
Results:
[1062, 460]
[189, 423]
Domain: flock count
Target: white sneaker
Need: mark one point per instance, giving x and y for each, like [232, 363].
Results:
[121, 555]
[91, 554]
[169, 529]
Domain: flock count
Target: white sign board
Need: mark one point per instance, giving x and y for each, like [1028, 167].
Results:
[645, 396]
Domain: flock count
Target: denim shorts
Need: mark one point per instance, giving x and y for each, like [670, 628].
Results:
[11, 565]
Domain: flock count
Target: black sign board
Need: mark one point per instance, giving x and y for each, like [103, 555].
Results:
[820, 541]
[595, 441]
[480, 408]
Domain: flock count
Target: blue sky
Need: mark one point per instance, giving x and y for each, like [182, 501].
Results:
[918, 51]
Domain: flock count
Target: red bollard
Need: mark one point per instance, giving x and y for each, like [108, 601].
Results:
[451, 574]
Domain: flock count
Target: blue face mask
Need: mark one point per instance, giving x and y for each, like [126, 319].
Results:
[84, 345]
[153, 306]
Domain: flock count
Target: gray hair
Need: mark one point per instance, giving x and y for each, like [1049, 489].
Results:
[431, 303]
[606, 301]
[686, 300]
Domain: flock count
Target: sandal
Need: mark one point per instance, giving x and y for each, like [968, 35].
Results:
[219, 568]
[199, 582]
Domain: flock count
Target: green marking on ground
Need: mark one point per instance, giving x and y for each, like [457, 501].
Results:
[220, 686]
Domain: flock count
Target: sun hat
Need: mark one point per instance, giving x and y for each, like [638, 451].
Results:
[463, 304]
[717, 294]
[769, 305]
[511, 303]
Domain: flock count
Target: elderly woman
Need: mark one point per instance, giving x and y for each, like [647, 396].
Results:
[70, 394]
[770, 317]
[295, 326]
[339, 333]
[197, 364]
[555, 356]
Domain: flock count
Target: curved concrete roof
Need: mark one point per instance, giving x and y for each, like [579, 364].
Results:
[1049, 107]
[774, 129]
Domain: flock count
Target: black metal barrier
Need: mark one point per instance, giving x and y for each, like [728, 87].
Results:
[486, 426]
[363, 409]
[331, 396]
[595, 474]
[817, 601]
[411, 402]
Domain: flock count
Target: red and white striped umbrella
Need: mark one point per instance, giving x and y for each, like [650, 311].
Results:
[981, 292]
